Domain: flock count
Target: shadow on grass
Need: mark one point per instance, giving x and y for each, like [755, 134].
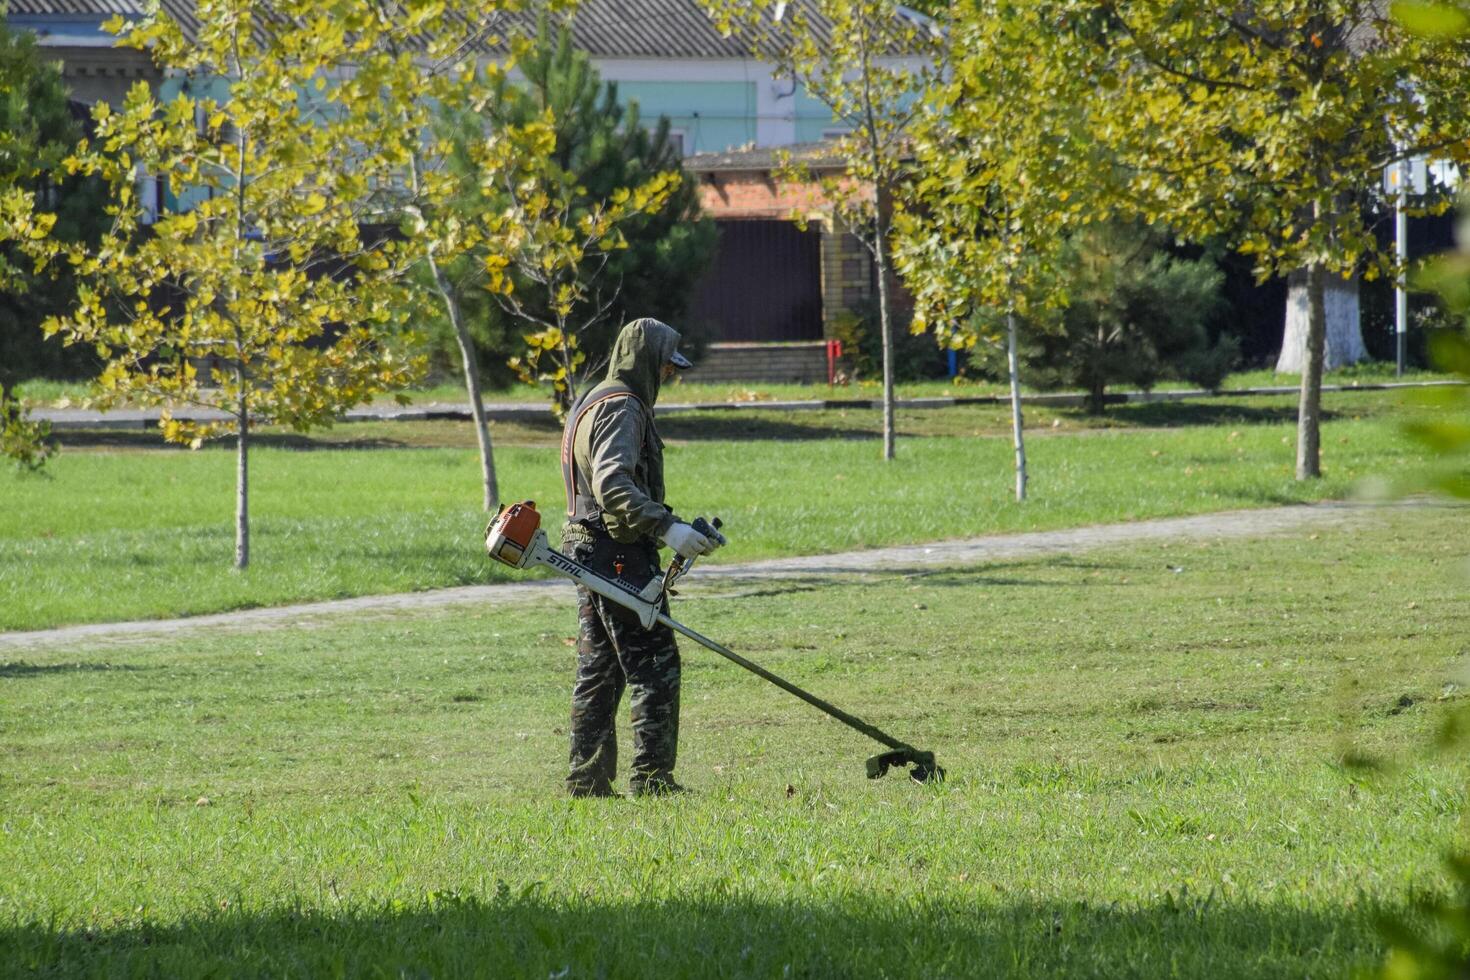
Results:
[1165, 415]
[719, 936]
[740, 426]
[955, 574]
[745, 426]
[817, 577]
[20, 668]
[150, 439]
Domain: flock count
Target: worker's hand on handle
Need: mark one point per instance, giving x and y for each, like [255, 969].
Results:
[687, 541]
[711, 531]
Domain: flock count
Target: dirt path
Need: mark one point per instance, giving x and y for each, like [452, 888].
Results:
[971, 551]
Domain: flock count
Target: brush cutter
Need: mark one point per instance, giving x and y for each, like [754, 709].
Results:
[515, 538]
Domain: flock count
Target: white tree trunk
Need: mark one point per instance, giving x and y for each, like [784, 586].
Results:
[242, 490]
[1309, 408]
[1016, 429]
[1343, 336]
[471, 367]
[885, 324]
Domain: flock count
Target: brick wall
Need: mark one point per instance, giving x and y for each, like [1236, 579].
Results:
[847, 274]
[846, 271]
[787, 362]
[757, 194]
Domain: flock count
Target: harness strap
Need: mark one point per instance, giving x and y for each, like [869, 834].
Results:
[569, 439]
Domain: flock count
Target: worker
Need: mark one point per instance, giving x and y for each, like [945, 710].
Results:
[612, 463]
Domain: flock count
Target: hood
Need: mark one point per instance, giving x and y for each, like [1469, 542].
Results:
[643, 347]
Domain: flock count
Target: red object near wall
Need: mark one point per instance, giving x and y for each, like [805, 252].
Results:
[834, 351]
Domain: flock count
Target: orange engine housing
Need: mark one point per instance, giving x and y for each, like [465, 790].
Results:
[511, 533]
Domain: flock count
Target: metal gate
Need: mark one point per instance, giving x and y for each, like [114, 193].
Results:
[764, 284]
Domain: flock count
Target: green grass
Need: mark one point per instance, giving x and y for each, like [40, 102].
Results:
[1143, 746]
[754, 391]
[758, 423]
[118, 534]
[44, 391]
[1368, 372]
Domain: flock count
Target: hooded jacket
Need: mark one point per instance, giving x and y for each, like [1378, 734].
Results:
[618, 455]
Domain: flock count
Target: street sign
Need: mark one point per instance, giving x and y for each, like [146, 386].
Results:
[1407, 177]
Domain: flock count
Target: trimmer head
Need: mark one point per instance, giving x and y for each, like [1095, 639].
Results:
[924, 768]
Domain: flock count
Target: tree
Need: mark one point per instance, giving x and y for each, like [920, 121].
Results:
[1134, 314]
[37, 131]
[21, 438]
[467, 234]
[1342, 335]
[564, 254]
[983, 218]
[262, 301]
[397, 93]
[869, 61]
[1269, 123]
[1435, 941]
[602, 150]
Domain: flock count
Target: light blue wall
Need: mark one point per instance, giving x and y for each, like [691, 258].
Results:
[812, 117]
[718, 116]
[187, 198]
[713, 115]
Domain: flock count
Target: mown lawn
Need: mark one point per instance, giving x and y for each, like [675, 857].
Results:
[1371, 372]
[1145, 748]
[114, 533]
[42, 391]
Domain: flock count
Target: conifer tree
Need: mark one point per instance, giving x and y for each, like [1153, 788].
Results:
[602, 148]
[37, 131]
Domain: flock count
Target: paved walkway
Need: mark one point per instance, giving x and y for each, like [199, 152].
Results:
[128, 418]
[968, 552]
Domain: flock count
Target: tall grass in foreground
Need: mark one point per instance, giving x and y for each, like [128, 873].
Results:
[1144, 746]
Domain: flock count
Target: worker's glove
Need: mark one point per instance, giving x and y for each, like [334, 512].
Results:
[687, 541]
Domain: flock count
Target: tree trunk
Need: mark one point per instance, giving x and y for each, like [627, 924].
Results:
[567, 365]
[885, 326]
[1343, 333]
[1309, 412]
[472, 386]
[1013, 362]
[1095, 373]
[242, 488]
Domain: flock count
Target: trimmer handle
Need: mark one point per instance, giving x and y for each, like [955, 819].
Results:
[681, 565]
[710, 529]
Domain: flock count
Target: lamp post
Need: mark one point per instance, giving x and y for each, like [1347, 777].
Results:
[1401, 260]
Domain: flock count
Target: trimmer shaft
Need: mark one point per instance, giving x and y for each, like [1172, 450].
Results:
[515, 538]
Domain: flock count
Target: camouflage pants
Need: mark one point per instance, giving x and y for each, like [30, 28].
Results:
[615, 652]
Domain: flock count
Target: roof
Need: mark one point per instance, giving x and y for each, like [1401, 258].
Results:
[819, 156]
[602, 28]
[645, 29]
[677, 28]
[73, 8]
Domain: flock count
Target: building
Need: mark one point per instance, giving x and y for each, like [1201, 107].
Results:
[776, 285]
[784, 273]
[71, 31]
